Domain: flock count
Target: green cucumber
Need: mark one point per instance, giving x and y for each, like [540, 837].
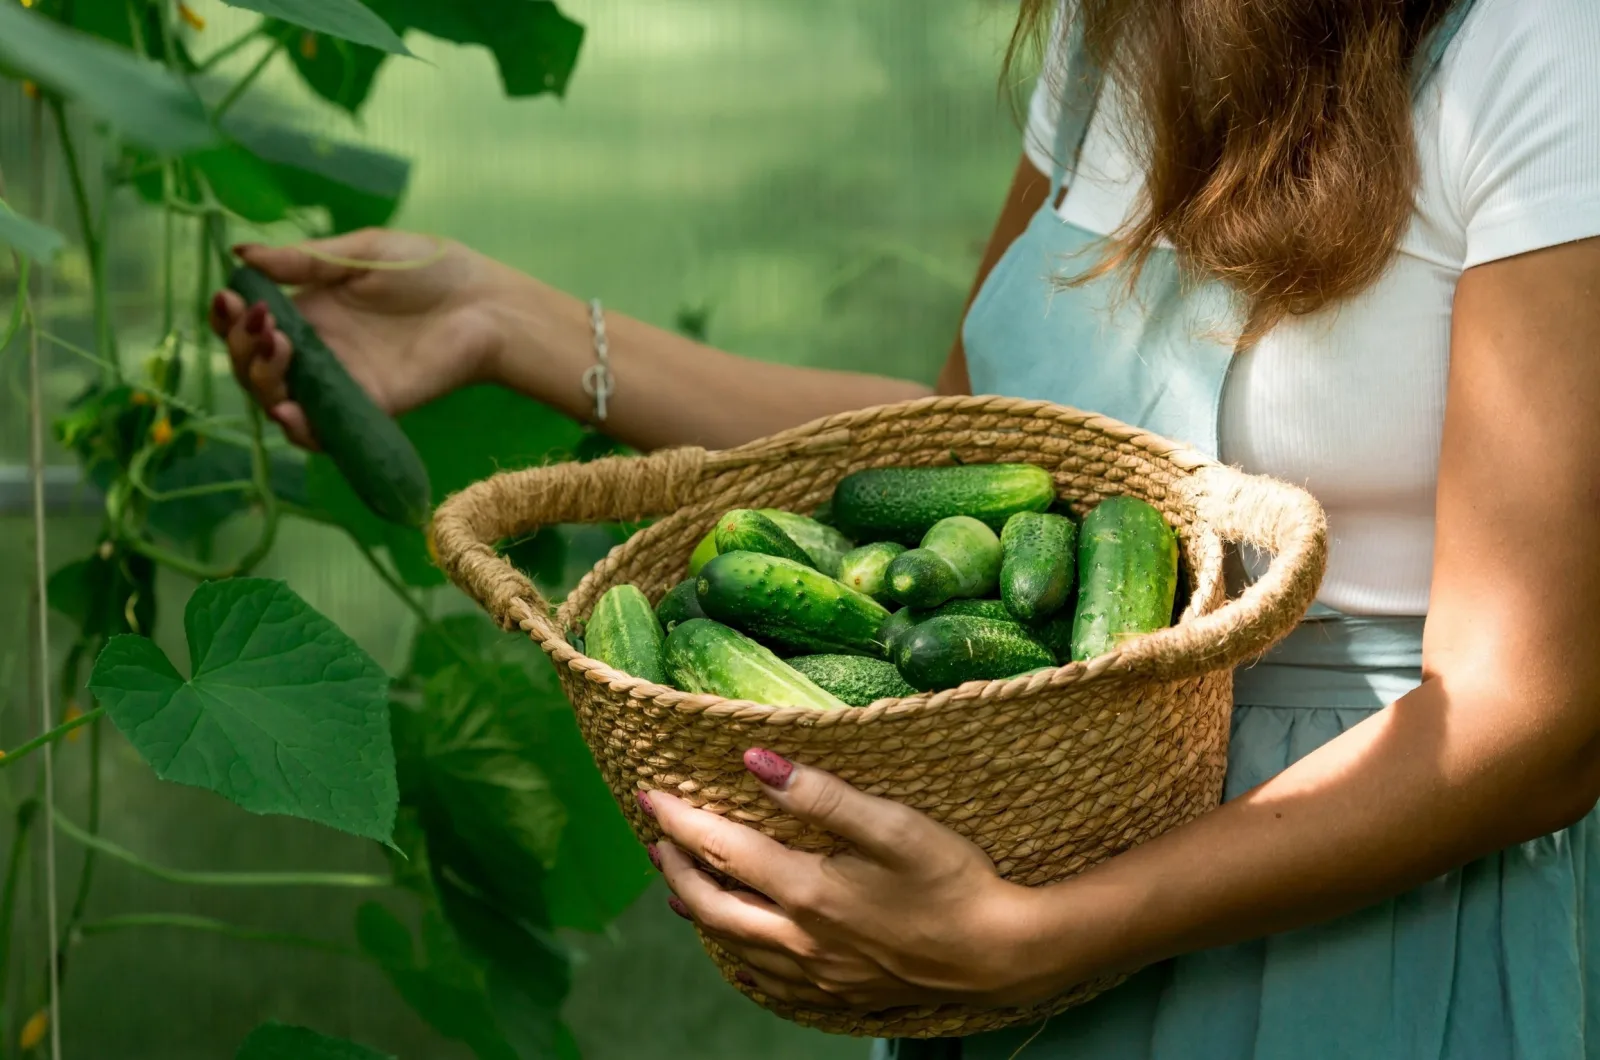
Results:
[863, 568]
[1054, 633]
[708, 657]
[789, 605]
[703, 553]
[624, 634]
[744, 530]
[959, 557]
[364, 442]
[825, 545]
[855, 679]
[902, 503]
[1038, 559]
[950, 650]
[679, 604]
[1127, 574]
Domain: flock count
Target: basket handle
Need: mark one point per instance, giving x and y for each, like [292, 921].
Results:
[1272, 516]
[469, 525]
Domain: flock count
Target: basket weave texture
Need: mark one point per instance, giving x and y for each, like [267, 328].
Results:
[1049, 773]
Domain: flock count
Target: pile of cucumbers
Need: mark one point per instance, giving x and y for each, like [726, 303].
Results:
[920, 579]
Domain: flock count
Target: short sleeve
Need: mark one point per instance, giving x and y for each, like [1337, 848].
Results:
[1044, 107]
[1521, 120]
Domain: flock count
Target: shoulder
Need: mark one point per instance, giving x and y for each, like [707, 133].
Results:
[1519, 124]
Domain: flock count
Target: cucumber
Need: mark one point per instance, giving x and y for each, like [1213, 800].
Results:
[623, 633]
[364, 442]
[703, 553]
[855, 679]
[1128, 575]
[825, 545]
[789, 605]
[959, 557]
[1038, 560]
[863, 568]
[708, 657]
[679, 604]
[1054, 633]
[743, 530]
[950, 650]
[902, 503]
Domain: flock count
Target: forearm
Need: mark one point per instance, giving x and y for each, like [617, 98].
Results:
[1418, 789]
[670, 390]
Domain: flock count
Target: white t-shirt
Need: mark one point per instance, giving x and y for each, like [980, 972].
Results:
[1349, 402]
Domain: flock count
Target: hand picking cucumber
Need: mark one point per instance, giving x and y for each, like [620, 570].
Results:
[902, 503]
[364, 442]
[743, 530]
[679, 604]
[959, 557]
[1128, 575]
[863, 568]
[948, 651]
[825, 545]
[789, 604]
[1038, 559]
[623, 633]
[855, 679]
[708, 657]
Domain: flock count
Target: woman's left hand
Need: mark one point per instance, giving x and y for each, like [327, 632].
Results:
[915, 914]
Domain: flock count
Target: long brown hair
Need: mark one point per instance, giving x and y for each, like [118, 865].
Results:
[1275, 137]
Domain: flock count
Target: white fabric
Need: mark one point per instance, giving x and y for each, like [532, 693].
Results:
[1350, 402]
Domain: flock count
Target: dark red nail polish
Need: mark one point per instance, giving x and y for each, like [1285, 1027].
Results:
[256, 318]
[771, 769]
[745, 977]
[644, 803]
[654, 856]
[219, 306]
[240, 248]
[675, 904]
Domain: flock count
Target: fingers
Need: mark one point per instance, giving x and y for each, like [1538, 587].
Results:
[884, 831]
[259, 354]
[733, 849]
[785, 990]
[293, 265]
[734, 915]
[292, 419]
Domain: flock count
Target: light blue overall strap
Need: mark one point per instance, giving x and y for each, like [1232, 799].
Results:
[1077, 93]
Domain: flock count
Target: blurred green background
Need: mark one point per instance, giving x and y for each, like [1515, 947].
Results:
[818, 179]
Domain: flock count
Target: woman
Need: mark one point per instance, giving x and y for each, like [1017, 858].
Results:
[1360, 235]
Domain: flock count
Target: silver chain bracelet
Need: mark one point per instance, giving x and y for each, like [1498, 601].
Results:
[598, 381]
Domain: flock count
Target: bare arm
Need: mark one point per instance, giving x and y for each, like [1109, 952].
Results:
[1499, 743]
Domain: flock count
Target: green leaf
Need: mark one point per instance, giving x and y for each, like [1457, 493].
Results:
[279, 1041]
[357, 185]
[283, 714]
[243, 183]
[346, 19]
[471, 636]
[534, 44]
[96, 593]
[478, 976]
[189, 519]
[28, 237]
[340, 72]
[145, 102]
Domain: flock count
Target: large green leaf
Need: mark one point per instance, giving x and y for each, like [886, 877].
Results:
[28, 237]
[283, 714]
[145, 102]
[279, 1041]
[346, 19]
[478, 976]
[357, 185]
[340, 72]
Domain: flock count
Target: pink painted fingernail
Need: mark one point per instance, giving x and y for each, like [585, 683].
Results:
[654, 856]
[255, 320]
[771, 769]
[675, 904]
[745, 977]
[219, 306]
[644, 803]
[241, 249]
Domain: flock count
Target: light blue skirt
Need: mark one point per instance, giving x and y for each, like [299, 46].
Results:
[1490, 962]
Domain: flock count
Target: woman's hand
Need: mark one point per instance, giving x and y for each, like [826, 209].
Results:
[406, 335]
[916, 915]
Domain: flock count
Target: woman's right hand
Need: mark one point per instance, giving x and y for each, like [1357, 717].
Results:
[406, 335]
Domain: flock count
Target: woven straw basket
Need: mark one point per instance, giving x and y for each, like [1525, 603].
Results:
[1049, 773]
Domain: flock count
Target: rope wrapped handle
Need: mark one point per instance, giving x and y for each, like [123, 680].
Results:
[469, 525]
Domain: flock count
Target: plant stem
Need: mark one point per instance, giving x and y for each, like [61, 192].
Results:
[219, 879]
[169, 309]
[44, 739]
[202, 322]
[230, 48]
[261, 473]
[27, 810]
[221, 927]
[243, 84]
[105, 339]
